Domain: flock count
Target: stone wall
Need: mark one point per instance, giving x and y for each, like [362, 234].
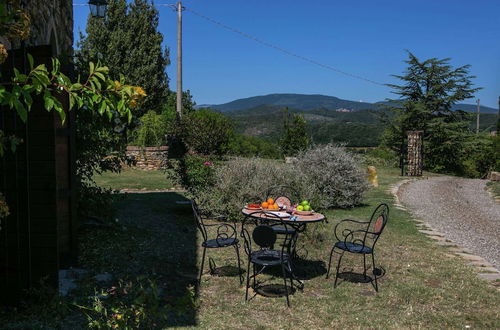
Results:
[51, 24]
[148, 158]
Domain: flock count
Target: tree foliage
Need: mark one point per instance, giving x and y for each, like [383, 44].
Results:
[128, 41]
[295, 137]
[427, 92]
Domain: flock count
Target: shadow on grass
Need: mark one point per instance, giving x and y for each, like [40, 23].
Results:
[162, 246]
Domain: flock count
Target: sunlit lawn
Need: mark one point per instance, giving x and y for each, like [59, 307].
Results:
[134, 179]
[494, 187]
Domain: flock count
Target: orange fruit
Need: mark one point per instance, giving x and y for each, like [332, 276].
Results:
[276, 207]
[265, 205]
[270, 201]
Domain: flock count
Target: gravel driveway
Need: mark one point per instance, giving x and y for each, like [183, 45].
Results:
[459, 208]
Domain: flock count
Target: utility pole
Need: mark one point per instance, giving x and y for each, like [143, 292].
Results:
[179, 60]
[477, 119]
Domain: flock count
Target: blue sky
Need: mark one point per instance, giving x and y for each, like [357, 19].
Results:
[365, 38]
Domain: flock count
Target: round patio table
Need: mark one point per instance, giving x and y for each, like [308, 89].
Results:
[299, 224]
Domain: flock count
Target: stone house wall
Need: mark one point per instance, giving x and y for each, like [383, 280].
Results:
[148, 158]
[51, 24]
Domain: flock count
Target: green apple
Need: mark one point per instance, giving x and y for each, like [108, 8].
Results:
[307, 208]
[304, 203]
[300, 208]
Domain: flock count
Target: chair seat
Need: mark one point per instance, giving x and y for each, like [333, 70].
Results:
[283, 230]
[354, 248]
[268, 257]
[221, 242]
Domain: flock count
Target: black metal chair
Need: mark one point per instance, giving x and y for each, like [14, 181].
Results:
[226, 236]
[263, 255]
[360, 237]
[283, 195]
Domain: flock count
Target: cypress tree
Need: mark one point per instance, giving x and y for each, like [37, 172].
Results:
[128, 42]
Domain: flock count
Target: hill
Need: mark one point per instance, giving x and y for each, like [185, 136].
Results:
[307, 102]
[361, 128]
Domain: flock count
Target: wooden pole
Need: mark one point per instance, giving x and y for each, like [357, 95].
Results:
[179, 60]
[477, 119]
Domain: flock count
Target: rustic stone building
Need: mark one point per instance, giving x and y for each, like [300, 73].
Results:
[38, 237]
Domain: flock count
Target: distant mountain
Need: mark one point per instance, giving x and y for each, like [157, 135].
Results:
[306, 102]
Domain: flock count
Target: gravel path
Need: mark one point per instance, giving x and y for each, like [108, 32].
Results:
[459, 208]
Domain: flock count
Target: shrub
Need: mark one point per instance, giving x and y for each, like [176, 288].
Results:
[253, 146]
[243, 180]
[206, 132]
[334, 176]
[151, 131]
[193, 171]
[327, 176]
[381, 156]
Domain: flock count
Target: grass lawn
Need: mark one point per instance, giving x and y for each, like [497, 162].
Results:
[134, 179]
[494, 187]
[156, 240]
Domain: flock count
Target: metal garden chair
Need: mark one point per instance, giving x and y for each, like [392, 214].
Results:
[360, 237]
[226, 237]
[283, 195]
[259, 249]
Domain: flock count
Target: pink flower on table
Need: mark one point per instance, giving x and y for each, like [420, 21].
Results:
[208, 163]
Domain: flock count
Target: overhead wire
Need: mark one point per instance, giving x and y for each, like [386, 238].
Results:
[282, 50]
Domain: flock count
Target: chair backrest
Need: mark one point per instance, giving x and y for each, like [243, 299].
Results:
[263, 234]
[199, 220]
[377, 223]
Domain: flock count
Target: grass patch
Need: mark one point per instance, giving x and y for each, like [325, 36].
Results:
[494, 187]
[134, 179]
[156, 240]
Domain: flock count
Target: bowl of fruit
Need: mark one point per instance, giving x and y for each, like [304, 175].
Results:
[304, 208]
[252, 206]
[269, 205]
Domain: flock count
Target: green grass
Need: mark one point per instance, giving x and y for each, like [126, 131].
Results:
[424, 286]
[494, 187]
[134, 179]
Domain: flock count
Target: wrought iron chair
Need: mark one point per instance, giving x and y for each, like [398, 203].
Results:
[226, 236]
[360, 240]
[283, 195]
[261, 253]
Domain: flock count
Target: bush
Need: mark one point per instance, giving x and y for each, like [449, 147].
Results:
[327, 176]
[253, 146]
[206, 132]
[194, 172]
[334, 176]
[243, 180]
[381, 156]
[151, 131]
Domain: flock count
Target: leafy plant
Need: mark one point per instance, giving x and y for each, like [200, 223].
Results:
[194, 172]
[206, 132]
[295, 137]
[151, 131]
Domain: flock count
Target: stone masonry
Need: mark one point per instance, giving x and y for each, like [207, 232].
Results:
[51, 24]
[148, 158]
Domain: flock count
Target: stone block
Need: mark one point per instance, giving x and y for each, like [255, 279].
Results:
[494, 176]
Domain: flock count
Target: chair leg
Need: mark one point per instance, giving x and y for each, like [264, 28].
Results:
[236, 247]
[374, 272]
[286, 287]
[337, 273]
[364, 266]
[248, 280]
[254, 276]
[330, 262]
[202, 264]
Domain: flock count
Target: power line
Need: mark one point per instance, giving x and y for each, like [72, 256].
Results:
[282, 50]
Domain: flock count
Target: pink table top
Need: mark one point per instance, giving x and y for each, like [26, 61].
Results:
[315, 217]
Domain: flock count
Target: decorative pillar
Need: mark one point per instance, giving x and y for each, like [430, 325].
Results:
[415, 152]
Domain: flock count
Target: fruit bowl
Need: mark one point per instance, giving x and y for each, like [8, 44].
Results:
[304, 212]
[253, 206]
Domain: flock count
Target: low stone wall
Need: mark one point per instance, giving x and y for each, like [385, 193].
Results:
[148, 158]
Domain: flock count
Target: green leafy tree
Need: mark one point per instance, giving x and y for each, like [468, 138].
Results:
[151, 131]
[428, 91]
[128, 42]
[294, 138]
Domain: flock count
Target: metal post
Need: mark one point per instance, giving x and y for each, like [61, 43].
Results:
[477, 119]
[179, 60]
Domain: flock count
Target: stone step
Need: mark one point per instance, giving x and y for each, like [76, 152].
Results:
[431, 233]
[490, 276]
